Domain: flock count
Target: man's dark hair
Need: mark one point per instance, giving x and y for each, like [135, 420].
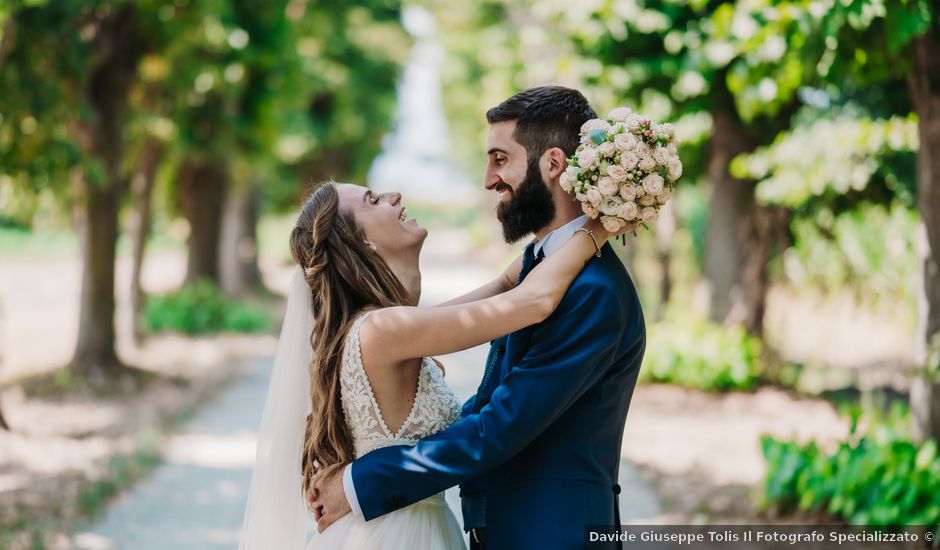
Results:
[546, 117]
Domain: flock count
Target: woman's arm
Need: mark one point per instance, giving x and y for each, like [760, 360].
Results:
[504, 282]
[401, 333]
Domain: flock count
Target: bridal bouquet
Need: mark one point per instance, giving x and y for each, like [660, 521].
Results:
[624, 170]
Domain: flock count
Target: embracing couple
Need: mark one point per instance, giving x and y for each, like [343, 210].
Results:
[369, 437]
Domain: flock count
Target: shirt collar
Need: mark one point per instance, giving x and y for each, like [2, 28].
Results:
[557, 238]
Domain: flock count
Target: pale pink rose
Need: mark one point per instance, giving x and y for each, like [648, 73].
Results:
[673, 150]
[611, 206]
[629, 160]
[625, 142]
[668, 130]
[674, 170]
[628, 192]
[594, 124]
[640, 191]
[612, 224]
[580, 196]
[664, 197]
[649, 215]
[573, 172]
[617, 173]
[594, 196]
[607, 149]
[642, 149]
[647, 200]
[661, 156]
[629, 211]
[647, 164]
[587, 158]
[589, 210]
[620, 114]
[634, 122]
[564, 182]
[607, 186]
[653, 184]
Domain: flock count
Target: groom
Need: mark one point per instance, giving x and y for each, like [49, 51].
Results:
[537, 450]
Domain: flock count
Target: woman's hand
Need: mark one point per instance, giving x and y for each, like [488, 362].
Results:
[603, 235]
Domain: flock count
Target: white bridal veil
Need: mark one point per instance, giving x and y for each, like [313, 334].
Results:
[276, 516]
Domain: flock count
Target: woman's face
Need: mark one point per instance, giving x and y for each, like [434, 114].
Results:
[383, 219]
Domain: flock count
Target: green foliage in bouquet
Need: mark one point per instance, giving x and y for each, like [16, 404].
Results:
[201, 308]
[878, 477]
[703, 355]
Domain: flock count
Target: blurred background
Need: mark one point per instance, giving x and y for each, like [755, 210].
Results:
[153, 156]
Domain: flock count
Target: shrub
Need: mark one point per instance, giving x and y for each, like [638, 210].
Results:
[879, 478]
[703, 355]
[201, 308]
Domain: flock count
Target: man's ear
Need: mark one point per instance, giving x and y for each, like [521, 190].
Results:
[556, 162]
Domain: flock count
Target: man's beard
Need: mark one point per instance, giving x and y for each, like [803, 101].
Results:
[530, 207]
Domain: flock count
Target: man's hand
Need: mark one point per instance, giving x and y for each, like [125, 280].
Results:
[328, 500]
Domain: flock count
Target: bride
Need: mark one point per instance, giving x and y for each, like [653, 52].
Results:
[352, 320]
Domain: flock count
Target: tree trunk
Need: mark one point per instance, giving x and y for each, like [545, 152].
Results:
[239, 252]
[109, 82]
[924, 85]
[142, 188]
[737, 247]
[203, 190]
[664, 235]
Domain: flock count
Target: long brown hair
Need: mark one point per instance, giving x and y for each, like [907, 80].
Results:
[346, 276]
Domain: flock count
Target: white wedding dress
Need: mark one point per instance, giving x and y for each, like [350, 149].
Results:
[425, 525]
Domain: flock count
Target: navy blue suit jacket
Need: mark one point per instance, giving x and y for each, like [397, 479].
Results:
[541, 439]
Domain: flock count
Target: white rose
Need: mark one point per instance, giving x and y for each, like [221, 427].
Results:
[625, 142]
[642, 149]
[573, 172]
[664, 197]
[629, 160]
[673, 150]
[612, 224]
[611, 206]
[580, 196]
[607, 186]
[640, 191]
[668, 130]
[607, 149]
[649, 215]
[594, 196]
[620, 114]
[634, 122]
[564, 182]
[589, 210]
[653, 184]
[617, 173]
[587, 158]
[628, 192]
[674, 170]
[647, 164]
[647, 200]
[629, 211]
[661, 156]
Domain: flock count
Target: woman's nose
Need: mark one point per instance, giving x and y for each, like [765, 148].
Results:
[394, 198]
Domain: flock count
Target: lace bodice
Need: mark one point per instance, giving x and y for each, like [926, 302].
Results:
[435, 405]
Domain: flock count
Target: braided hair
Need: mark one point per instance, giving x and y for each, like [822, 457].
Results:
[347, 276]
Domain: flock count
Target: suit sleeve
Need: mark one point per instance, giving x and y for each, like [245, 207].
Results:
[570, 352]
